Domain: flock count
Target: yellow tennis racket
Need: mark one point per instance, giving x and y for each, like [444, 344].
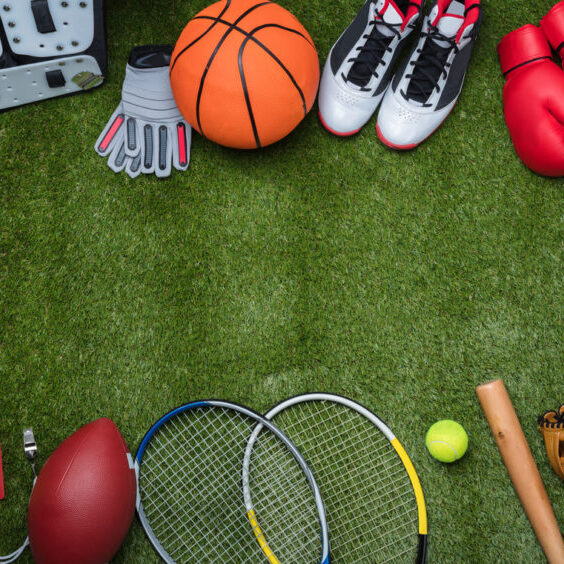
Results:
[372, 494]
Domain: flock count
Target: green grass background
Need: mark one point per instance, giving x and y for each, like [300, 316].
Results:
[401, 280]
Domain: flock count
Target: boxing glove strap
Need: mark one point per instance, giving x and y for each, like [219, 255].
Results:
[552, 26]
[521, 47]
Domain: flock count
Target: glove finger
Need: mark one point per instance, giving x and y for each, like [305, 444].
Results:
[163, 164]
[181, 142]
[118, 159]
[133, 138]
[149, 145]
[112, 133]
[133, 165]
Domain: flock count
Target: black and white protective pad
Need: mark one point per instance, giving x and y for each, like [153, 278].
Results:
[50, 48]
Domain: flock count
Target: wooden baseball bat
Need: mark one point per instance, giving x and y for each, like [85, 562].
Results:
[521, 467]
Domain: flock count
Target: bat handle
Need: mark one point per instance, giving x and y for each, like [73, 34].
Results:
[523, 471]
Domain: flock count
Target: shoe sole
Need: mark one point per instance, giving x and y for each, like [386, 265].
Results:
[338, 133]
[393, 145]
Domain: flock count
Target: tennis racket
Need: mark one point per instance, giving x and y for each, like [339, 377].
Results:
[196, 506]
[372, 494]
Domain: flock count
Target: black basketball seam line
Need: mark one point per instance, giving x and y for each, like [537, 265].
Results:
[231, 27]
[244, 31]
[276, 59]
[215, 21]
[215, 51]
[246, 94]
[282, 66]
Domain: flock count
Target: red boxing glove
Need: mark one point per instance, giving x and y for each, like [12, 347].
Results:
[533, 99]
[552, 26]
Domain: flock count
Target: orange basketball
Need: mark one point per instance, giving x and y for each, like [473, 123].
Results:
[244, 73]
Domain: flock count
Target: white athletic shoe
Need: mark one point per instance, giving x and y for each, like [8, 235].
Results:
[360, 64]
[427, 85]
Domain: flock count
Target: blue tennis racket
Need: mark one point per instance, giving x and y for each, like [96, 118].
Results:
[196, 506]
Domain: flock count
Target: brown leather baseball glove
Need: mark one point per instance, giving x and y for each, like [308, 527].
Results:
[551, 425]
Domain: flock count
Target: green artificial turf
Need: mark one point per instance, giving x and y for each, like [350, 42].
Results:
[401, 280]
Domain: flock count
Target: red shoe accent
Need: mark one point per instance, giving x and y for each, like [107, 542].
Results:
[393, 145]
[338, 133]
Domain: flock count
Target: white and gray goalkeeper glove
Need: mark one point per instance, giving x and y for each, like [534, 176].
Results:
[146, 133]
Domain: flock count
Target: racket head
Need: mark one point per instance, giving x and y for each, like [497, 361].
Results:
[191, 502]
[372, 494]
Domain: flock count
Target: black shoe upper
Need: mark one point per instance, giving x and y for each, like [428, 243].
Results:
[432, 62]
[368, 57]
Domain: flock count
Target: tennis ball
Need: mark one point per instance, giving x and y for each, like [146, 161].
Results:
[447, 440]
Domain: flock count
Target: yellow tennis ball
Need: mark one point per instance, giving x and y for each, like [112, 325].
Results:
[447, 440]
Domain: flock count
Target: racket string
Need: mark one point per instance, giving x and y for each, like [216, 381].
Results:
[175, 509]
[353, 460]
[190, 484]
[270, 506]
[201, 495]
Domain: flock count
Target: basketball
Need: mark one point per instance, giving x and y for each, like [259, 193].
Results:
[244, 73]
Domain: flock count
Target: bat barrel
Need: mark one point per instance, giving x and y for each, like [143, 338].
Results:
[523, 471]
